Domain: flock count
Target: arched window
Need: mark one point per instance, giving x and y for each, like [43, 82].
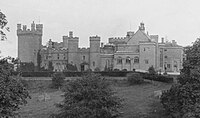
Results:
[93, 63]
[128, 60]
[136, 60]
[108, 63]
[119, 60]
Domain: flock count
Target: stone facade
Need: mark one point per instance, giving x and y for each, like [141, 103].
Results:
[137, 50]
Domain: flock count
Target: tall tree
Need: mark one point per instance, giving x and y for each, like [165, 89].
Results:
[3, 23]
[13, 94]
[183, 99]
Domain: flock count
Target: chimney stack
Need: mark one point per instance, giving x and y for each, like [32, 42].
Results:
[163, 41]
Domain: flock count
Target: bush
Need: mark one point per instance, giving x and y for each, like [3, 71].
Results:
[152, 70]
[97, 69]
[12, 92]
[89, 97]
[182, 100]
[58, 80]
[116, 70]
[134, 78]
[124, 70]
[161, 78]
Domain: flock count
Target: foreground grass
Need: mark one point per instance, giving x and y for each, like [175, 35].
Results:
[139, 101]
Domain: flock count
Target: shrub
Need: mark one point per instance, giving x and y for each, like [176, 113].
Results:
[152, 70]
[133, 69]
[124, 70]
[161, 78]
[182, 100]
[97, 69]
[12, 92]
[116, 70]
[134, 78]
[88, 70]
[57, 80]
[89, 97]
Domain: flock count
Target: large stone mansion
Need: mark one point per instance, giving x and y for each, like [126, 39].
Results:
[137, 50]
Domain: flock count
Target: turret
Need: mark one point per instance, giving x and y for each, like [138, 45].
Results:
[141, 27]
[71, 34]
[39, 27]
[19, 27]
[94, 52]
[72, 48]
[33, 26]
[95, 44]
[29, 42]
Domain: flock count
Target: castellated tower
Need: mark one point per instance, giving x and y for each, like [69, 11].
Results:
[94, 52]
[29, 42]
[72, 43]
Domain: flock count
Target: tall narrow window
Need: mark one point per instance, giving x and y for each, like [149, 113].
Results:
[93, 63]
[58, 56]
[119, 60]
[168, 65]
[128, 60]
[136, 60]
[146, 61]
[83, 57]
[64, 57]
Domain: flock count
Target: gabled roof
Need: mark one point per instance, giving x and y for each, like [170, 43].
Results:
[139, 36]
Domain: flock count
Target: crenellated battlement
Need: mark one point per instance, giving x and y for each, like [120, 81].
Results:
[84, 49]
[94, 38]
[70, 37]
[35, 29]
[117, 39]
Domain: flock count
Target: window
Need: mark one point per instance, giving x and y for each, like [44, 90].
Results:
[128, 60]
[168, 65]
[144, 49]
[165, 49]
[108, 63]
[83, 57]
[64, 56]
[146, 61]
[93, 63]
[47, 57]
[165, 57]
[136, 60]
[119, 60]
[57, 56]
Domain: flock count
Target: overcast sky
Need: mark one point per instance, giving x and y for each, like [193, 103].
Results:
[173, 19]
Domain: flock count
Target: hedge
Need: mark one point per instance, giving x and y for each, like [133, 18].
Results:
[72, 74]
[161, 78]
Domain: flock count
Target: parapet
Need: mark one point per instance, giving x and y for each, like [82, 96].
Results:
[33, 30]
[84, 50]
[95, 38]
[117, 39]
[70, 37]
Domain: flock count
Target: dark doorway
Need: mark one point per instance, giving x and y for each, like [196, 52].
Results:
[82, 68]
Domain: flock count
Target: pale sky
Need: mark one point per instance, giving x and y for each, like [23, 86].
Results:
[175, 19]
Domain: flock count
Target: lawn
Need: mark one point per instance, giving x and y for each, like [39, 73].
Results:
[139, 101]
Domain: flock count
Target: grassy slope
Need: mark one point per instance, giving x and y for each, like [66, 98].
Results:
[139, 102]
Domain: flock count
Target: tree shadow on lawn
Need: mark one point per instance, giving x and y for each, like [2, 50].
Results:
[139, 100]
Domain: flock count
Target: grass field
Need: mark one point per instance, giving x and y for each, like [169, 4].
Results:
[139, 101]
